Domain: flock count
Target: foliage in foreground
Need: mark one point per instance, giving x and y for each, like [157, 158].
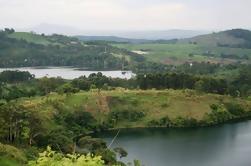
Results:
[10, 155]
[52, 158]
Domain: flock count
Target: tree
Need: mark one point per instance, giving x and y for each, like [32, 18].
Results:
[1, 90]
[199, 86]
[46, 85]
[14, 122]
[35, 126]
[9, 30]
[15, 76]
[91, 145]
[80, 122]
[61, 140]
[81, 83]
[98, 79]
[67, 88]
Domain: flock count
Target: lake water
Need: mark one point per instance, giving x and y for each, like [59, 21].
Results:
[69, 73]
[227, 145]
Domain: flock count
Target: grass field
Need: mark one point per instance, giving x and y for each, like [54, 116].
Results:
[30, 37]
[155, 104]
[179, 53]
[8, 162]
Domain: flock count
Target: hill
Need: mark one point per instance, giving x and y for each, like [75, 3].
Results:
[19, 49]
[235, 38]
[232, 46]
[136, 108]
[29, 37]
[64, 120]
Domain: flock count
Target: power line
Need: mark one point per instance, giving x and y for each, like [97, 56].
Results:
[113, 139]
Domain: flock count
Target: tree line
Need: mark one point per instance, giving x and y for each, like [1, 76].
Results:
[15, 84]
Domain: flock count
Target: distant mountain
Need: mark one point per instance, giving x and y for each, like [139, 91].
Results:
[145, 35]
[235, 38]
[50, 29]
[161, 35]
[111, 39]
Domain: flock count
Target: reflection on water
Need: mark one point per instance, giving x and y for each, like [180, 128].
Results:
[228, 145]
[68, 72]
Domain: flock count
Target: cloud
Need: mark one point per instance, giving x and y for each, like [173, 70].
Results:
[127, 14]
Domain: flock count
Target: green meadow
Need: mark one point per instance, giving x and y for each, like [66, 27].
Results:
[153, 104]
[30, 37]
[180, 53]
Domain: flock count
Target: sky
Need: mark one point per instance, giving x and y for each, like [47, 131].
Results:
[127, 14]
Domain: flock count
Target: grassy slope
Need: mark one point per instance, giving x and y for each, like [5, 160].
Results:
[30, 37]
[167, 53]
[179, 53]
[49, 40]
[214, 38]
[155, 104]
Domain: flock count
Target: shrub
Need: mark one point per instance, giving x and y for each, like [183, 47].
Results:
[235, 109]
[218, 115]
[12, 152]
[164, 105]
[52, 158]
[131, 115]
[184, 122]
[91, 144]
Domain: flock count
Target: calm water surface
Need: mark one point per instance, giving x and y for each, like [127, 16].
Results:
[227, 145]
[69, 73]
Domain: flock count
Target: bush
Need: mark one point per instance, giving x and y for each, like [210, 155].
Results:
[52, 158]
[91, 144]
[125, 114]
[163, 122]
[80, 121]
[60, 140]
[12, 152]
[218, 115]
[184, 122]
[235, 109]
[67, 88]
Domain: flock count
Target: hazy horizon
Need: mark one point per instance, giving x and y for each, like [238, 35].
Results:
[134, 34]
[126, 15]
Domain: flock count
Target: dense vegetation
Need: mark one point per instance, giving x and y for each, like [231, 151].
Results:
[35, 113]
[22, 49]
[64, 114]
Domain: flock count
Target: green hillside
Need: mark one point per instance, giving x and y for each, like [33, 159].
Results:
[235, 38]
[223, 47]
[21, 49]
[65, 113]
[30, 37]
[28, 49]
[135, 108]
